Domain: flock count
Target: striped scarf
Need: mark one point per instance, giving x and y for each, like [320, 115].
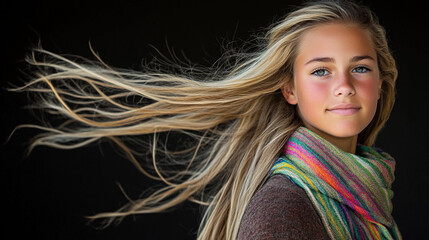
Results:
[350, 192]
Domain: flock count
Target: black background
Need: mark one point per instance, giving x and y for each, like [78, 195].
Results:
[48, 194]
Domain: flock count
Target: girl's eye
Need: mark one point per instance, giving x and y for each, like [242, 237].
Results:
[320, 72]
[360, 69]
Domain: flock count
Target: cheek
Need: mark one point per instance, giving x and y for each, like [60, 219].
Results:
[312, 94]
[369, 90]
[369, 97]
[312, 97]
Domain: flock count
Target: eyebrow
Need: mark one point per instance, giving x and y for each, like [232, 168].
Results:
[358, 58]
[329, 59]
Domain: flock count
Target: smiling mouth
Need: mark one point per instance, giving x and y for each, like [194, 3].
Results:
[344, 110]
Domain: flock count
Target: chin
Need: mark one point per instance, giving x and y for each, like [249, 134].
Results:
[346, 131]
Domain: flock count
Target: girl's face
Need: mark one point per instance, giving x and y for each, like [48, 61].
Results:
[336, 80]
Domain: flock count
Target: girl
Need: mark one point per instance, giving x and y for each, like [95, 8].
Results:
[282, 139]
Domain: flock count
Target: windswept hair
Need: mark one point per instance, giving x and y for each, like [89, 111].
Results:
[238, 118]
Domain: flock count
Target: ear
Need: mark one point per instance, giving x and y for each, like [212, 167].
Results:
[289, 94]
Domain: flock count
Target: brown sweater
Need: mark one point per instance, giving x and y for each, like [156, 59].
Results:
[281, 210]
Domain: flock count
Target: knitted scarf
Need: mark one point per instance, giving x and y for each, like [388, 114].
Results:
[350, 192]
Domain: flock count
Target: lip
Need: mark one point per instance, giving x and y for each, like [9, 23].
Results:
[344, 109]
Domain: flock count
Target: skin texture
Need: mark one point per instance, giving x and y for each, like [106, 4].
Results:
[336, 82]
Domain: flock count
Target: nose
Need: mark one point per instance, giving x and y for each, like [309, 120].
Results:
[344, 86]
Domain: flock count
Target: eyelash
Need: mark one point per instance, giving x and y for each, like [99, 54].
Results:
[365, 69]
[318, 69]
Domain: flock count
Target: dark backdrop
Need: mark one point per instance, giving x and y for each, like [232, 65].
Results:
[48, 194]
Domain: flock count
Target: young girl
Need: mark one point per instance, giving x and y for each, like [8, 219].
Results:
[283, 138]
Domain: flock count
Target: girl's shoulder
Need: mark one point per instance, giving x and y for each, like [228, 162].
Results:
[281, 209]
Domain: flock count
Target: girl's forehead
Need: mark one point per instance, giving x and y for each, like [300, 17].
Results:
[335, 39]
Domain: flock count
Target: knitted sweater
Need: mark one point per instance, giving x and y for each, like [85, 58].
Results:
[281, 210]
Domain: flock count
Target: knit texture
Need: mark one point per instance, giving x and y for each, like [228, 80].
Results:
[281, 210]
[351, 192]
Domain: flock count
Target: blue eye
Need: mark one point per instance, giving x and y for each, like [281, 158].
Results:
[320, 72]
[360, 69]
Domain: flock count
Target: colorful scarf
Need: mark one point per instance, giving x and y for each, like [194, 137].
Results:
[351, 192]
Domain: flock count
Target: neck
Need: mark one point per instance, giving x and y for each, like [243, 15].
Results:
[347, 144]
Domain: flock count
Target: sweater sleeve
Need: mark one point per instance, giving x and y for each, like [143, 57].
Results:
[281, 210]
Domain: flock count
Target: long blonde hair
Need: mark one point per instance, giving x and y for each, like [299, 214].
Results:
[237, 116]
